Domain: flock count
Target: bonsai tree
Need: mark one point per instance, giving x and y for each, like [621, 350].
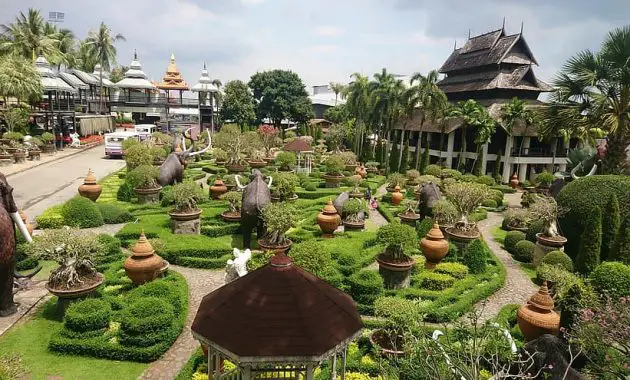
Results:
[466, 197]
[138, 154]
[395, 179]
[143, 177]
[231, 140]
[284, 186]
[352, 208]
[334, 166]
[158, 153]
[160, 138]
[257, 155]
[185, 197]
[219, 155]
[234, 199]
[409, 207]
[444, 212]
[35, 144]
[355, 181]
[73, 250]
[349, 158]
[546, 210]
[413, 176]
[268, 135]
[397, 237]
[47, 137]
[372, 166]
[401, 314]
[13, 136]
[516, 218]
[544, 179]
[278, 218]
[286, 160]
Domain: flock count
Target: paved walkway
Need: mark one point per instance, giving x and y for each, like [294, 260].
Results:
[44, 159]
[27, 300]
[200, 283]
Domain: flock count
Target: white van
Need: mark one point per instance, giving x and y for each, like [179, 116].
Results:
[114, 141]
[145, 131]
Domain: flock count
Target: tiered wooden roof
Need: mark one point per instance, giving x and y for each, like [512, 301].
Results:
[172, 79]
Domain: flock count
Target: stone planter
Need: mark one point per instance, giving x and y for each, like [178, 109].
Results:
[148, 195]
[356, 195]
[332, 181]
[269, 160]
[66, 296]
[48, 148]
[396, 275]
[544, 245]
[19, 157]
[328, 219]
[90, 189]
[409, 219]
[236, 168]
[6, 159]
[186, 223]
[388, 345]
[256, 164]
[11, 150]
[277, 249]
[514, 181]
[461, 239]
[522, 229]
[218, 189]
[353, 226]
[230, 216]
[537, 317]
[293, 198]
[397, 196]
[434, 247]
[144, 265]
[34, 155]
[351, 167]
[556, 242]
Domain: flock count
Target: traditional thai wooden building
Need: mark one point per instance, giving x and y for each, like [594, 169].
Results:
[490, 68]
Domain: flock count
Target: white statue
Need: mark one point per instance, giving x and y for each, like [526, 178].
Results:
[75, 140]
[238, 267]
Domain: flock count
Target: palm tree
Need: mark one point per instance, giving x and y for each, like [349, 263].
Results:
[19, 79]
[338, 88]
[101, 45]
[513, 113]
[216, 97]
[358, 100]
[29, 36]
[472, 114]
[593, 91]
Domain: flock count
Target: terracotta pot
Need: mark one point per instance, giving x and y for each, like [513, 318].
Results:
[228, 216]
[90, 189]
[148, 195]
[29, 227]
[409, 219]
[144, 264]
[397, 196]
[537, 317]
[332, 180]
[328, 219]
[360, 170]
[353, 226]
[262, 243]
[434, 247]
[556, 242]
[256, 164]
[218, 189]
[514, 181]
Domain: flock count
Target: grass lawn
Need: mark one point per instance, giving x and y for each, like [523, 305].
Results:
[498, 234]
[30, 340]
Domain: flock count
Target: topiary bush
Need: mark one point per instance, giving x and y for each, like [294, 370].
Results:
[590, 243]
[456, 270]
[611, 279]
[475, 257]
[533, 228]
[286, 160]
[486, 180]
[111, 245]
[544, 179]
[145, 322]
[312, 257]
[434, 170]
[450, 173]
[511, 239]
[621, 248]
[364, 287]
[423, 227]
[82, 213]
[610, 228]
[138, 154]
[435, 281]
[88, 315]
[113, 214]
[497, 195]
[125, 192]
[560, 259]
[524, 251]
[51, 218]
[491, 203]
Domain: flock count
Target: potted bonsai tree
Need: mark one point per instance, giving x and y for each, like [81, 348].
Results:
[257, 159]
[334, 171]
[544, 180]
[399, 314]
[47, 138]
[445, 214]
[234, 199]
[466, 197]
[394, 265]
[232, 141]
[395, 179]
[220, 156]
[278, 218]
[268, 135]
[355, 182]
[546, 209]
[354, 210]
[34, 148]
[284, 187]
[19, 152]
[185, 217]
[349, 160]
[158, 153]
[161, 139]
[413, 177]
[75, 253]
[372, 166]
[285, 161]
[409, 215]
[143, 179]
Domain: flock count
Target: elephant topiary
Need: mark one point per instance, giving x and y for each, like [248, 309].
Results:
[256, 196]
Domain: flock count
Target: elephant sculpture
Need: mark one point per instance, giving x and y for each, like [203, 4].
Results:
[8, 215]
[429, 194]
[172, 169]
[256, 196]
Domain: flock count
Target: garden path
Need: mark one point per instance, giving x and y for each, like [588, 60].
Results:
[375, 216]
[200, 283]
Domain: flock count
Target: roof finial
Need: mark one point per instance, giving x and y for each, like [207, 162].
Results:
[204, 66]
[468, 33]
[521, 28]
[172, 57]
[455, 45]
[135, 55]
[503, 27]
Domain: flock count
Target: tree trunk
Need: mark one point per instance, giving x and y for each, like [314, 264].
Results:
[387, 150]
[402, 143]
[418, 146]
[100, 89]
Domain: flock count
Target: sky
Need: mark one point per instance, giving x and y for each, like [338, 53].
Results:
[328, 40]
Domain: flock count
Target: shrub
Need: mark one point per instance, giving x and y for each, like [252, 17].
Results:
[423, 228]
[146, 322]
[185, 196]
[497, 195]
[621, 248]
[526, 183]
[352, 209]
[511, 239]
[444, 212]
[143, 177]
[279, 218]
[125, 192]
[428, 178]
[515, 218]
[435, 281]
[110, 244]
[365, 286]
[524, 251]
[610, 228]
[334, 165]
[397, 237]
[466, 197]
[161, 289]
[486, 180]
[47, 137]
[51, 218]
[349, 158]
[310, 186]
[413, 175]
[475, 257]
[285, 160]
[82, 213]
[535, 227]
[456, 270]
[491, 203]
[590, 244]
[137, 155]
[612, 279]
[396, 179]
[113, 214]
[88, 315]
[505, 189]
[558, 258]
[400, 312]
[544, 179]
[312, 257]
[258, 260]
[433, 170]
[284, 185]
[450, 173]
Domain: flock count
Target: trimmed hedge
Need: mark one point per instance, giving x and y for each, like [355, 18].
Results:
[51, 218]
[88, 315]
[524, 251]
[113, 214]
[590, 243]
[435, 281]
[453, 269]
[612, 279]
[560, 259]
[365, 287]
[535, 227]
[511, 239]
[82, 213]
[490, 203]
[475, 256]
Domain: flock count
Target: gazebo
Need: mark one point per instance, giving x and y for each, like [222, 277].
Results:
[205, 90]
[172, 80]
[135, 83]
[301, 146]
[107, 84]
[276, 322]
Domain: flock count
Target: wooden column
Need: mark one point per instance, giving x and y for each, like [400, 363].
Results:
[450, 146]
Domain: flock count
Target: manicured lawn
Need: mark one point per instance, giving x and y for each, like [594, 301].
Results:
[30, 341]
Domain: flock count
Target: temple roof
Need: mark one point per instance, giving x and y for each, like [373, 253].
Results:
[97, 74]
[172, 80]
[73, 80]
[520, 78]
[135, 78]
[204, 84]
[278, 312]
[49, 79]
[85, 77]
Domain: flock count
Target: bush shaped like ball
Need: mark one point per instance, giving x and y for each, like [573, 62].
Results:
[310, 186]
[486, 180]
[435, 281]
[491, 203]
[611, 279]
[560, 259]
[125, 192]
[397, 237]
[475, 257]
[82, 213]
[161, 289]
[88, 315]
[433, 170]
[279, 218]
[535, 227]
[399, 312]
[497, 195]
[312, 257]
[451, 173]
[113, 214]
[456, 270]
[524, 251]
[511, 239]
[145, 322]
[365, 286]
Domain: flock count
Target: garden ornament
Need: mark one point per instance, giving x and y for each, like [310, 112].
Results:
[8, 215]
[172, 169]
[429, 193]
[340, 200]
[75, 140]
[238, 267]
[256, 196]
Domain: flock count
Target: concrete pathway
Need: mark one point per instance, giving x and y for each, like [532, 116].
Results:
[27, 300]
[200, 283]
[44, 159]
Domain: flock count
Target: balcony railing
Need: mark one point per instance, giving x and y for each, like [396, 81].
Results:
[538, 152]
[152, 99]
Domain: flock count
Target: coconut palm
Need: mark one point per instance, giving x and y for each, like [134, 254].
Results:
[29, 35]
[101, 46]
[514, 113]
[19, 79]
[475, 115]
[337, 88]
[593, 91]
[357, 94]
[216, 98]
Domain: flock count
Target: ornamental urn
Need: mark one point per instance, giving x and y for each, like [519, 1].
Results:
[537, 317]
[144, 264]
[514, 181]
[434, 247]
[328, 219]
[397, 196]
[90, 189]
[218, 189]
[360, 170]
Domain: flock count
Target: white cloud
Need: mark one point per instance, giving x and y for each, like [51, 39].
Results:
[320, 49]
[329, 31]
[252, 2]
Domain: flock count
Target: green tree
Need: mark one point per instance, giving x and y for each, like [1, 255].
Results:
[238, 104]
[29, 35]
[19, 79]
[610, 227]
[496, 173]
[101, 46]
[357, 95]
[621, 248]
[394, 163]
[425, 160]
[590, 244]
[280, 94]
[474, 115]
[337, 114]
[593, 95]
[337, 88]
[515, 113]
[118, 73]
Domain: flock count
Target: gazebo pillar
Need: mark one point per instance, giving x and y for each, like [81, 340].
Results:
[309, 371]
[333, 366]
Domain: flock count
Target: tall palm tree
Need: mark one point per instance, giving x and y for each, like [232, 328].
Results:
[475, 115]
[216, 97]
[593, 91]
[19, 79]
[514, 113]
[357, 94]
[101, 45]
[337, 88]
[29, 35]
